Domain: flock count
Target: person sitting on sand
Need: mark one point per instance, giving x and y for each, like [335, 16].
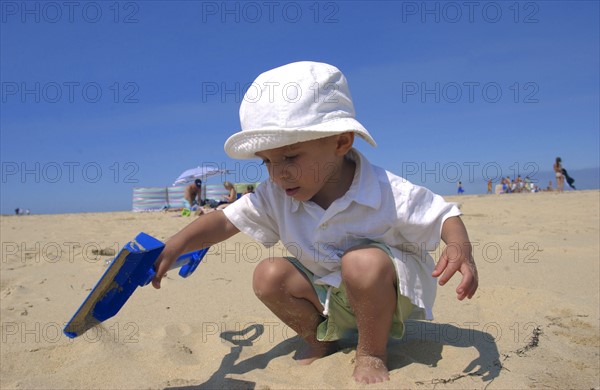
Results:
[349, 222]
[227, 200]
[249, 190]
[230, 197]
[506, 185]
[518, 184]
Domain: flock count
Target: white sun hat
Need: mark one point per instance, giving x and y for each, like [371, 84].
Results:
[297, 102]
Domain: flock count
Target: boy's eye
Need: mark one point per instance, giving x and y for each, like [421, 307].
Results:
[285, 159]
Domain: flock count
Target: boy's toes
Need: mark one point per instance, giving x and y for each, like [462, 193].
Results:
[370, 369]
[310, 353]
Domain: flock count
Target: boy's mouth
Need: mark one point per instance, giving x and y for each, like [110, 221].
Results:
[291, 191]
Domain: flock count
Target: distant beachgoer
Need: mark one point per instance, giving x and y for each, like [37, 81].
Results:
[513, 186]
[249, 189]
[550, 186]
[229, 198]
[460, 188]
[528, 185]
[489, 186]
[193, 194]
[560, 178]
[518, 184]
[506, 185]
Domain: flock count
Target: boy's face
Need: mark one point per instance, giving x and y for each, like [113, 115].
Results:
[306, 169]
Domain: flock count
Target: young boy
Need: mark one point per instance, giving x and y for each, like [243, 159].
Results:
[358, 234]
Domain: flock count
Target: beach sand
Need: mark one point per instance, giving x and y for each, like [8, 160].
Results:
[534, 322]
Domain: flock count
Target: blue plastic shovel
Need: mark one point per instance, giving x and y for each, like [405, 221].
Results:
[132, 267]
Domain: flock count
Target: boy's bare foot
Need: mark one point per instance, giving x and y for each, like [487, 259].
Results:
[313, 351]
[370, 369]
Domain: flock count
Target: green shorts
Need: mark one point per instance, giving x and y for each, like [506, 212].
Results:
[341, 321]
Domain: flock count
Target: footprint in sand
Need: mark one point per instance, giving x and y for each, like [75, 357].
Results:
[180, 353]
[180, 383]
[177, 330]
[10, 289]
[16, 267]
[184, 348]
[177, 340]
[575, 328]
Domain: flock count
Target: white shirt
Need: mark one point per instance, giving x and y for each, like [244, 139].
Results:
[379, 206]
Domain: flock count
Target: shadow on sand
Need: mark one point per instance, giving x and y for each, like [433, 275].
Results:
[422, 343]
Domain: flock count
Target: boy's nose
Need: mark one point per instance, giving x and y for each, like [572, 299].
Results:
[282, 172]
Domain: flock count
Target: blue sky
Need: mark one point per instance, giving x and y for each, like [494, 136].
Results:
[100, 97]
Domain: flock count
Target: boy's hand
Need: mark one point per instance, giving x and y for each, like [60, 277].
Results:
[455, 258]
[212, 228]
[163, 263]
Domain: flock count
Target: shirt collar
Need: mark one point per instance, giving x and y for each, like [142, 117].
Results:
[364, 190]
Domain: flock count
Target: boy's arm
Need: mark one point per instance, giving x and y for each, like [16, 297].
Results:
[205, 231]
[457, 256]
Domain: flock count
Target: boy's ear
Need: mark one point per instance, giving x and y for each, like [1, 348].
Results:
[344, 143]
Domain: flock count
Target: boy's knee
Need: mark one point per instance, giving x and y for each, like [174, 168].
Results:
[268, 276]
[367, 266]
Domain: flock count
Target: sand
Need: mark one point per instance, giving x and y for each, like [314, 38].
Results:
[532, 324]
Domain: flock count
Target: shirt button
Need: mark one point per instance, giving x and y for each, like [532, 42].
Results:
[324, 226]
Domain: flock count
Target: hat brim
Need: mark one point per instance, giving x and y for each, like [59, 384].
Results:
[245, 144]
